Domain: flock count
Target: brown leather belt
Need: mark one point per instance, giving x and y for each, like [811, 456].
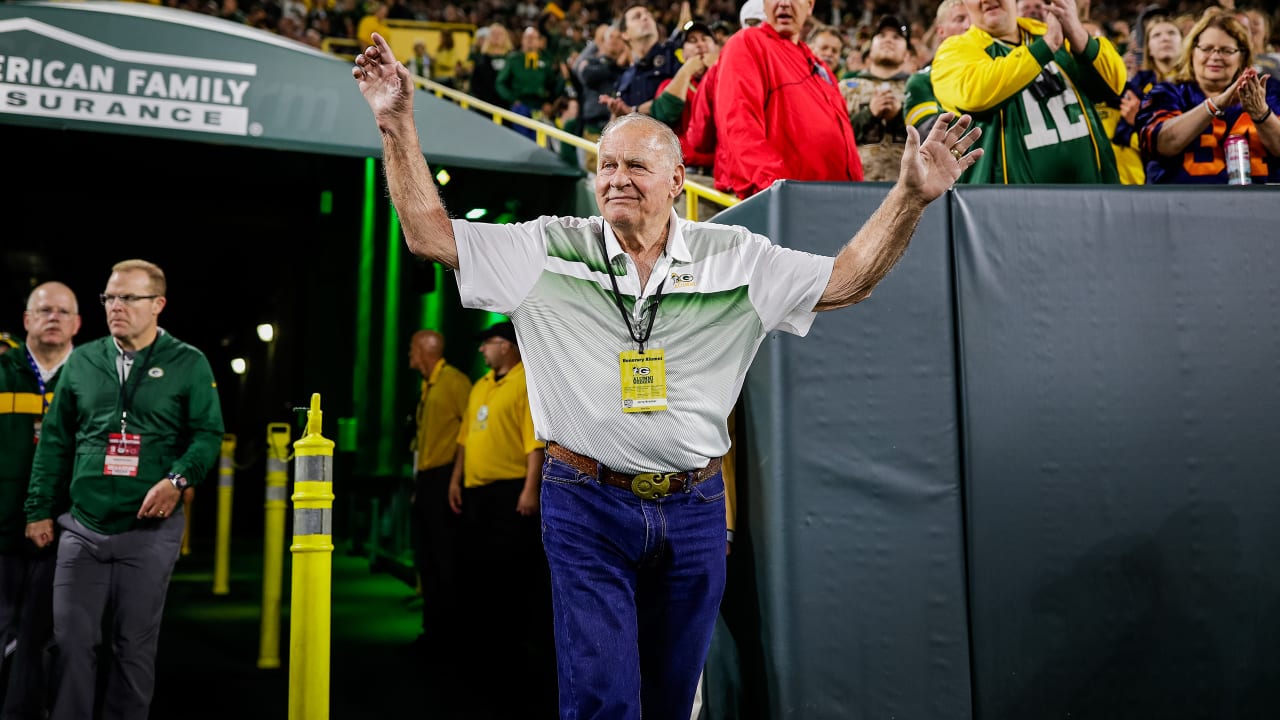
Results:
[647, 486]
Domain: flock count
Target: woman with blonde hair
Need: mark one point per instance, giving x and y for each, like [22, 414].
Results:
[1161, 49]
[487, 60]
[1214, 93]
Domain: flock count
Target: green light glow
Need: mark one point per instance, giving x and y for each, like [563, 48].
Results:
[326, 202]
[432, 305]
[364, 295]
[476, 213]
[387, 434]
[443, 177]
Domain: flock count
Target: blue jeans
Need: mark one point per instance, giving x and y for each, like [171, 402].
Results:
[636, 586]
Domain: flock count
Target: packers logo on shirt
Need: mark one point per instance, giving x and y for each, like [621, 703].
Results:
[682, 280]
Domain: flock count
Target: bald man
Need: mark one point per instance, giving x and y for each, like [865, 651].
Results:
[441, 404]
[30, 373]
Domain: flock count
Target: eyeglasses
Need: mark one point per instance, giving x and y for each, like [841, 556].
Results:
[1221, 52]
[126, 299]
[45, 312]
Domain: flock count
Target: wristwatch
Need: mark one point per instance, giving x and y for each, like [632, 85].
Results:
[178, 481]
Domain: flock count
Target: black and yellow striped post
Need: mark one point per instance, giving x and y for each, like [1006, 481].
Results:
[222, 540]
[309, 609]
[277, 501]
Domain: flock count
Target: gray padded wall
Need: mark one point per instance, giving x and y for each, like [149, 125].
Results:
[1121, 391]
[852, 480]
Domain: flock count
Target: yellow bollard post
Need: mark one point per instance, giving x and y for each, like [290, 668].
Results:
[278, 436]
[222, 542]
[309, 610]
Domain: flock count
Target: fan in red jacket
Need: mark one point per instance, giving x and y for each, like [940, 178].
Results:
[777, 109]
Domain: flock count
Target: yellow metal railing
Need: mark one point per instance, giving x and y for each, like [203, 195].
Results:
[693, 191]
[347, 48]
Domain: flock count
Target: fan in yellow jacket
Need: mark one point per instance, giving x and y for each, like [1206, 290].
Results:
[1031, 87]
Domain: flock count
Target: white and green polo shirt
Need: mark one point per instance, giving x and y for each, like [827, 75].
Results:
[722, 289]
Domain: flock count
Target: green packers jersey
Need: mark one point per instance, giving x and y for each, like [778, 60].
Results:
[1035, 106]
[920, 102]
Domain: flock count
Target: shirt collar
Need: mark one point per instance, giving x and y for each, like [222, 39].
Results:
[515, 371]
[435, 372]
[121, 351]
[676, 247]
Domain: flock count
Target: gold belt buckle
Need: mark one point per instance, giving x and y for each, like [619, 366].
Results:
[651, 486]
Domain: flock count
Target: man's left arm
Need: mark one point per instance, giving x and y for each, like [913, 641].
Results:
[203, 428]
[928, 170]
[1102, 72]
[204, 425]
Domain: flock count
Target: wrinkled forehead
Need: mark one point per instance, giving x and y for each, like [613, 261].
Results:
[129, 278]
[633, 140]
[51, 296]
[1216, 36]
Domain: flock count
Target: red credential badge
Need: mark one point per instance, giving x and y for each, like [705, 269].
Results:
[123, 450]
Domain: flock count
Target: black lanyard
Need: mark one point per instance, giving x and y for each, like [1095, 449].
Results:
[35, 368]
[127, 391]
[617, 298]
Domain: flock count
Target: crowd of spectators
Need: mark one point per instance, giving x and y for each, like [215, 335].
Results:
[578, 63]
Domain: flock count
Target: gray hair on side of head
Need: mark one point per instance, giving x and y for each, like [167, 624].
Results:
[945, 7]
[662, 131]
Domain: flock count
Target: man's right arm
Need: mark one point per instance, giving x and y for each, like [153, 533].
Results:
[53, 464]
[966, 78]
[388, 88]
[455, 480]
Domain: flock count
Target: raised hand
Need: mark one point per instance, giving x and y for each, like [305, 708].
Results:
[385, 83]
[930, 168]
[1067, 13]
[1053, 32]
[1253, 92]
[1129, 106]
[1231, 95]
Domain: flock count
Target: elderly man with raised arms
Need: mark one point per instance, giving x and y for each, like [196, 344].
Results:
[638, 328]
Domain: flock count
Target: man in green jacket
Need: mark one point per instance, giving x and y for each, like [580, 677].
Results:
[530, 80]
[136, 420]
[28, 376]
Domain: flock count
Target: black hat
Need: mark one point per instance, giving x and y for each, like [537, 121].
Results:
[891, 21]
[697, 26]
[504, 330]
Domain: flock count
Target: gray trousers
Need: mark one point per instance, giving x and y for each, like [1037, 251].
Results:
[128, 573]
